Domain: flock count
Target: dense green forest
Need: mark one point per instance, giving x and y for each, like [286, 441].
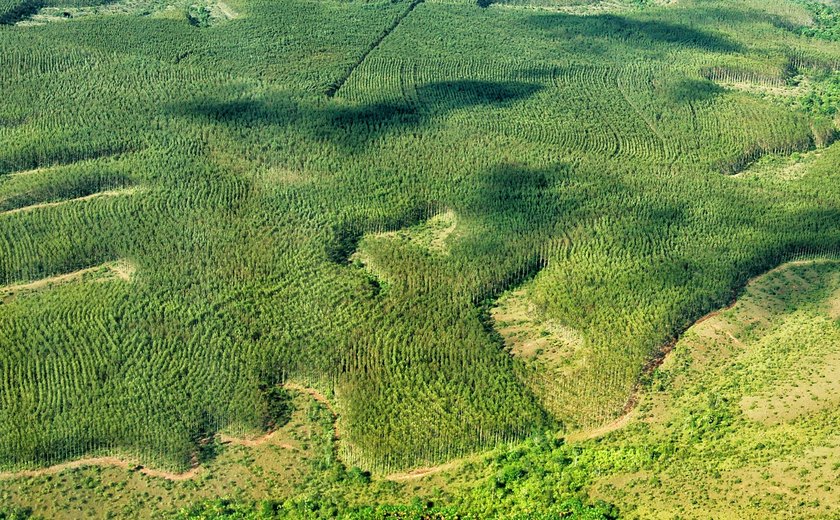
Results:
[202, 202]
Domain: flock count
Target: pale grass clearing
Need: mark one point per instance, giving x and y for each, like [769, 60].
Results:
[762, 89]
[549, 349]
[271, 179]
[788, 401]
[784, 168]
[172, 9]
[102, 194]
[431, 234]
[579, 8]
[121, 270]
[529, 335]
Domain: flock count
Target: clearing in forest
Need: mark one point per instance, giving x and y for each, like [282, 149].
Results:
[578, 156]
[208, 11]
[548, 348]
[101, 194]
[119, 270]
[432, 236]
[783, 168]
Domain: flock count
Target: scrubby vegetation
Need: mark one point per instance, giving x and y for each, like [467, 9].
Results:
[223, 509]
[826, 20]
[337, 195]
[15, 513]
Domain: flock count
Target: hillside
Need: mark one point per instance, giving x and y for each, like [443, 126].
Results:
[308, 250]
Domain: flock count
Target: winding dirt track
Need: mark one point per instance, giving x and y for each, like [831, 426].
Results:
[321, 398]
[419, 473]
[229, 13]
[194, 471]
[625, 418]
[416, 473]
[622, 420]
[103, 462]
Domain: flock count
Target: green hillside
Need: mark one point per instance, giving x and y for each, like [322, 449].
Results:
[462, 227]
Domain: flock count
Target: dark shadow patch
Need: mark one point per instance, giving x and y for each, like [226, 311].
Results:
[513, 209]
[344, 242]
[20, 12]
[352, 126]
[346, 126]
[640, 32]
[692, 90]
[278, 407]
[346, 235]
[475, 92]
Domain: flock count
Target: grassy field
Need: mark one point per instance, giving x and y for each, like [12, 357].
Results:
[463, 227]
[743, 409]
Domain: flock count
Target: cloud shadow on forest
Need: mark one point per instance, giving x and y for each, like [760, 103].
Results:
[20, 12]
[351, 127]
[689, 90]
[506, 205]
[640, 32]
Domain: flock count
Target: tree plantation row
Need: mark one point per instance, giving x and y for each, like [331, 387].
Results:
[261, 222]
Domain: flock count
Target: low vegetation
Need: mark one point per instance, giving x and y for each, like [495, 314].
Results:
[704, 438]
